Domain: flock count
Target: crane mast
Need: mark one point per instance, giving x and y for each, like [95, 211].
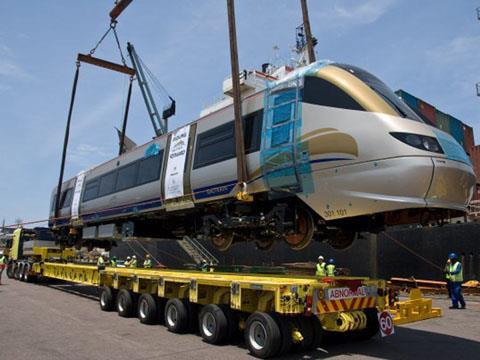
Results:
[159, 123]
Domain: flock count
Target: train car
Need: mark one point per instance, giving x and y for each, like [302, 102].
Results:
[331, 152]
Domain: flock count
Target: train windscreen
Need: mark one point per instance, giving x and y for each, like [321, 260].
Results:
[383, 91]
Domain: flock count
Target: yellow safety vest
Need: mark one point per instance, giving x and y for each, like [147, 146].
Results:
[147, 264]
[133, 264]
[456, 277]
[113, 263]
[2, 260]
[100, 261]
[321, 269]
[330, 270]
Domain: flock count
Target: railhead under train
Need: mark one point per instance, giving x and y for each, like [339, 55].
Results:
[331, 152]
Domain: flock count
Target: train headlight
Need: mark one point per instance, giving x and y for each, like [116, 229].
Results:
[422, 142]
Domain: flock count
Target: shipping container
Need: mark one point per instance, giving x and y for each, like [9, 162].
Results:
[410, 100]
[427, 111]
[456, 129]
[475, 158]
[442, 121]
[469, 140]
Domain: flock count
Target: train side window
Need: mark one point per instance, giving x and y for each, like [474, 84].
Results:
[252, 128]
[107, 183]
[149, 169]
[91, 190]
[322, 92]
[215, 145]
[127, 175]
[54, 199]
[66, 198]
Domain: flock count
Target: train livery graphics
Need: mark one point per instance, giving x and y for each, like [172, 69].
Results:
[330, 150]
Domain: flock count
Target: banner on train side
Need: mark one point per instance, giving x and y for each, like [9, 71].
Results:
[177, 155]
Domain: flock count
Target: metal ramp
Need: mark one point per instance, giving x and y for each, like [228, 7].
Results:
[197, 251]
[282, 157]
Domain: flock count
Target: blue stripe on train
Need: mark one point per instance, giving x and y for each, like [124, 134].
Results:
[199, 193]
[214, 190]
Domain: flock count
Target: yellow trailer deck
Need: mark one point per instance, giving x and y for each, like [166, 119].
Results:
[275, 312]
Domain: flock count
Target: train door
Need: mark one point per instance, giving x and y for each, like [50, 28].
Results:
[176, 186]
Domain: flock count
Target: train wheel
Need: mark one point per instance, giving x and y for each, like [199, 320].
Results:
[222, 241]
[304, 230]
[262, 335]
[107, 299]
[264, 244]
[213, 324]
[342, 239]
[125, 303]
[147, 309]
[176, 316]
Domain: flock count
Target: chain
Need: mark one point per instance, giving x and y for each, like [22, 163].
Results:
[101, 39]
[118, 45]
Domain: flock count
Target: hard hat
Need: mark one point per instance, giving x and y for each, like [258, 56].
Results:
[452, 256]
[331, 261]
[128, 257]
[1, 252]
[114, 258]
[321, 257]
[148, 256]
[134, 256]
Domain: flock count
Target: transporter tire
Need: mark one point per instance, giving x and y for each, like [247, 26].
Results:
[286, 326]
[107, 299]
[262, 335]
[232, 319]
[147, 309]
[26, 273]
[318, 332]
[125, 303]
[213, 324]
[176, 316]
[305, 326]
[18, 271]
[9, 270]
[372, 328]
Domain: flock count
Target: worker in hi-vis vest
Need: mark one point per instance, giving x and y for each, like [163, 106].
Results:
[446, 271]
[320, 267]
[147, 264]
[133, 263]
[3, 264]
[330, 267]
[101, 262]
[113, 261]
[456, 279]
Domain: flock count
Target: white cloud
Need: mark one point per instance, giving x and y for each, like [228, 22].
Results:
[367, 12]
[83, 153]
[457, 50]
[9, 68]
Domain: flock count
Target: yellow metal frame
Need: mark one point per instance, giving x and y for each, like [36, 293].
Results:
[414, 309]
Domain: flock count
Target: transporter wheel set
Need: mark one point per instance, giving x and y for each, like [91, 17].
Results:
[266, 334]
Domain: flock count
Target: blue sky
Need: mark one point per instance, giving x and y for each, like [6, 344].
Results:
[430, 48]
